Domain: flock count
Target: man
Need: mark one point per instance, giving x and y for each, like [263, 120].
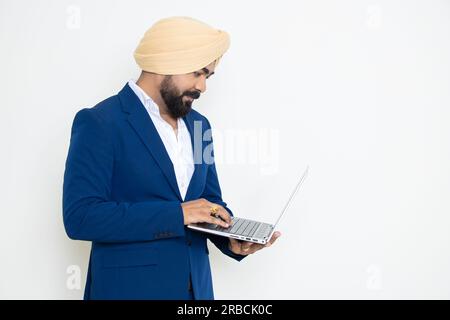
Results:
[137, 173]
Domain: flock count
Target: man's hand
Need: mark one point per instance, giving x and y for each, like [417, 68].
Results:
[246, 247]
[198, 211]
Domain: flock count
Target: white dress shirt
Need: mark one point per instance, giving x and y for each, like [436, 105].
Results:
[178, 146]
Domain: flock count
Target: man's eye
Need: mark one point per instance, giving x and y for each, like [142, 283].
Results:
[198, 74]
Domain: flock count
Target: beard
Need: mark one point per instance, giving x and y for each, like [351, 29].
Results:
[176, 107]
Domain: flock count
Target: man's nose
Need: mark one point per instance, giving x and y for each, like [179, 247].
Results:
[200, 85]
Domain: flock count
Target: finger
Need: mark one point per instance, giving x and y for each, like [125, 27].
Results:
[219, 222]
[241, 245]
[209, 205]
[211, 219]
[274, 237]
[246, 245]
[235, 246]
[223, 213]
[252, 248]
[220, 211]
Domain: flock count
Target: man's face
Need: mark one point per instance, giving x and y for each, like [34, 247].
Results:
[179, 91]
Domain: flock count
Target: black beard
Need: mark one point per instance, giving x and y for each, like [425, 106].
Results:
[174, 102]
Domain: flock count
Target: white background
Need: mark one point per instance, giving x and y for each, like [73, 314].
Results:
[359, 90]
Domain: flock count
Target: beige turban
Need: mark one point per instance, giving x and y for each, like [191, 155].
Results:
[180, 45]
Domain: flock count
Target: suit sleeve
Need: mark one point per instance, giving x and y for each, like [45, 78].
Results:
[213, 194]
[88, 211]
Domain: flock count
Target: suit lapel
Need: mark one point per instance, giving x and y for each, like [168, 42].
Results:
[140, 120]
[196, 180]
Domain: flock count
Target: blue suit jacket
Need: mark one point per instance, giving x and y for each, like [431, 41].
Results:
[121, 193]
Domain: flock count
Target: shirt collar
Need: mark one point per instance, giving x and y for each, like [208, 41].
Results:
[149, 104]
[146, 101]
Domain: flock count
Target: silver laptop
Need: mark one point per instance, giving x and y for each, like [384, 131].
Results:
[248, 230]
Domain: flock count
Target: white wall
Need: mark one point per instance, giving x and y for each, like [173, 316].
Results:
[357, 89]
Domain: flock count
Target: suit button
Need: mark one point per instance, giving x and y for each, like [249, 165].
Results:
[189, 242]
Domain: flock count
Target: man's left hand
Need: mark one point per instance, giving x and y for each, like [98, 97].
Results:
[246, 247]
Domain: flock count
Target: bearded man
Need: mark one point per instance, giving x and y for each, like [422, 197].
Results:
[133, 179]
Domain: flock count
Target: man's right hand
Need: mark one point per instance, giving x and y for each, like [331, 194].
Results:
[197, 211]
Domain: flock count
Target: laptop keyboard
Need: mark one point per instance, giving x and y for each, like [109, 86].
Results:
[245, 228]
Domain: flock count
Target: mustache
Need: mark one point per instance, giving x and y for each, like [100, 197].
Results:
[194, 95]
